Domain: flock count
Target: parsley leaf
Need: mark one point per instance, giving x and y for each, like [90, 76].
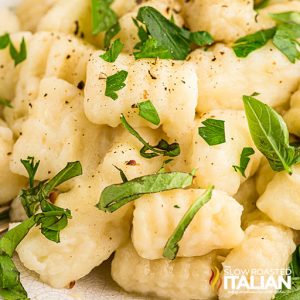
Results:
[110, 33]
[171, 247]
[213, 132]
[115, 83]
[17, 56]
[6, 103]
[164, 39]
[270, 134]
[52, 219]
[148, 111]
[162, 148]
[103, 17]
[116, 195]
[113, 52]
[249, 43]
[244, 160]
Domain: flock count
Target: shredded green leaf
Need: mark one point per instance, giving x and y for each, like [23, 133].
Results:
[162, 148]
[113, 52]
[148, 111]
[103, 17]
[110, 33]
[5, 103]
[261, 4]
[17, 56]
[213, 132]
[162, 38]
[116, 195]
[171, 247]
[244, 160]
[115, 83]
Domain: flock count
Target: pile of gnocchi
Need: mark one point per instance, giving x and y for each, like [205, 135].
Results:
[164, 133]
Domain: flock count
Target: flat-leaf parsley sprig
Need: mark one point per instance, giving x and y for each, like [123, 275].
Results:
[52, 219]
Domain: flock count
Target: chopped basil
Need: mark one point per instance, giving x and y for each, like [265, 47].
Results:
[290, 17]
[285, 40]
[171, 247]
[5, 103]
[148, 111]
[213, 132]
[110, 33]
[247, 44]
[163, 39]
[103, 17]
[52, 219]
[115, 83]
[294, 292]
[261, 4]
[113, 52]
[17, 56]
[284, 37]
[122, 174]
[116, 195]
[162, 148]
[244, 160]
[270, 135]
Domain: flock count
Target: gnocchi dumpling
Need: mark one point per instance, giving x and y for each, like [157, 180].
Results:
[266, 247]
[48, 55]
[60, 130]
[92, 235]
[282, 198]
[217, 225]
[9, 22]
[265, 71]
[292, 115]
[170, 85]
[215, 163]
[183, 278]
[10, 184]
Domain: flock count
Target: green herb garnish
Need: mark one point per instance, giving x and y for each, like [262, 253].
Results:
[17, 56]
[284, 37]
[261, 4]
[171, 247]
[148, 111]
[52, 219]
[113, 52]
[270, 135]
[116, 195]
[110, 33]
[103, 17]
[162, 148]
[5, 103]
[163, 39]
[115, 83]
[213, 132]
[244, 160]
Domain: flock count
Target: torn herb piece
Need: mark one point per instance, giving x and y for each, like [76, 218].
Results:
[103, 17]
[270, 134]
[162, 148]
[32, 197]
[249, 43]
[148, 111]
[259, 4]
[122, 174]
[171, 247]
[17, 56]
[290, 17]
[116, 195]
[5, 103]
[115, 83]
[285, 40]
[113, 52]
[161, 38]
[213, 132]
[244, 160]
[110, 33]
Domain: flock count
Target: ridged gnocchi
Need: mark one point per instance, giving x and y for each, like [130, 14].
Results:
[216, 225]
